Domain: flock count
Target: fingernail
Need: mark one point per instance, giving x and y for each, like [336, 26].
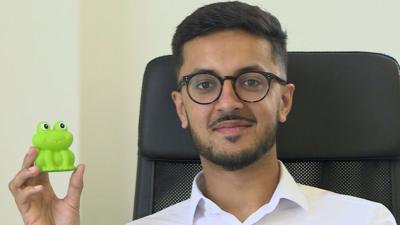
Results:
[79, 169]
[37, 187]
[31, 150]
[83, 168]
[32, 169]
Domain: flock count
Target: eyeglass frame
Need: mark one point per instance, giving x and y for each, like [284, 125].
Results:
[268, 75]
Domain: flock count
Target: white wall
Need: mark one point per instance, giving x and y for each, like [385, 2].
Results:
[110, 87]
[105, 46]
[39, 80]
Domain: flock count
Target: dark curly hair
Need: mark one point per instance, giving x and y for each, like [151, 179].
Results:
[231, 15]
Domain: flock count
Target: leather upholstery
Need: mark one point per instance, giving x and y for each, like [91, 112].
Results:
[346, 105]
[343, 133]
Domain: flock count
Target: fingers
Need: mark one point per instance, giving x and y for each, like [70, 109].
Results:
[19, 186]
[22, 177]
[24, 195]
[75, 186]
[29, 158]
[26, 172]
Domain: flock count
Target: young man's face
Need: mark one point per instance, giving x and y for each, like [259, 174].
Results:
[230, 132]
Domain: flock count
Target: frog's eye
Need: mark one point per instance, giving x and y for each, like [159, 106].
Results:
[44, 126]
[60, 125]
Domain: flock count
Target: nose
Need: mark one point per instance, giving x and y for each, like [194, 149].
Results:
[228, 100]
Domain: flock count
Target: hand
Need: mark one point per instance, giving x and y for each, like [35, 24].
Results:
[36, 199]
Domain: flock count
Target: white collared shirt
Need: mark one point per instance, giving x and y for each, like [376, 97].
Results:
[291, 204]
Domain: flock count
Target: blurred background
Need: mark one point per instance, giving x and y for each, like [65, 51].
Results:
[83, 62]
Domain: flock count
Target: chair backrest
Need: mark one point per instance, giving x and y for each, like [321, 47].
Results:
[343, 133]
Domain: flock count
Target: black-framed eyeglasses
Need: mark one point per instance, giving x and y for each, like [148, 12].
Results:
[250, 86]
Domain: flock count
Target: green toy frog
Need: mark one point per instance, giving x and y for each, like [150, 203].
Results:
[53, 147]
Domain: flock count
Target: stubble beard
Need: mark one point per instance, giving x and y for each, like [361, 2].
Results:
[242, 159]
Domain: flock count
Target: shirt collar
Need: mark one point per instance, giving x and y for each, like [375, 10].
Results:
[196, 196]
[287, 188]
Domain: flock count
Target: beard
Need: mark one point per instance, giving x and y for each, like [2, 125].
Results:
[245, 157]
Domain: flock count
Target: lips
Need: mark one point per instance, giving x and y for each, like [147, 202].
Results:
[231, 127]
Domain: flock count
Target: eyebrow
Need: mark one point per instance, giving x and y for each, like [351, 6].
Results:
[250, 68]
[206, 71]
[239, 71]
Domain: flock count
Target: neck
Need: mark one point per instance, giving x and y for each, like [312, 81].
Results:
[244, 191]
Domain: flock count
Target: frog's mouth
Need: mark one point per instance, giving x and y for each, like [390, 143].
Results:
[59, 141]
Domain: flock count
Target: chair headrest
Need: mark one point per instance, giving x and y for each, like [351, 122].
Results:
[346, 106]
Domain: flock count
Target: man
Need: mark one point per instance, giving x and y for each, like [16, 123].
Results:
[231, 94]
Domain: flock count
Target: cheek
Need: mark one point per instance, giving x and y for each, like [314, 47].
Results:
[198, 118]
[266, 116]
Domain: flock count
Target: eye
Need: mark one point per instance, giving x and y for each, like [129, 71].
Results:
[44, 126]
[206, 84]
[203, 82]
[62, 125]
[251, 83]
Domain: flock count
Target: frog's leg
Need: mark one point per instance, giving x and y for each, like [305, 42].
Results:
[47, 158]
[40, 160]
[68, 160]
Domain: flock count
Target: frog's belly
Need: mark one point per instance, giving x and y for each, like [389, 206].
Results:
[57, 159]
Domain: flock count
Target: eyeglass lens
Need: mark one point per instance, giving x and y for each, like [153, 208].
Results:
[206, 88]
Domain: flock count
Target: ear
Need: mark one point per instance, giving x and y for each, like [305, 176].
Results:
[180, 108]
[286, 102]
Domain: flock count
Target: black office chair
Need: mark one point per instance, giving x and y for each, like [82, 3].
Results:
[343, 133]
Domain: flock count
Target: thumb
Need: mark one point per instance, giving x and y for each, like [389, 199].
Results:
[75, 186]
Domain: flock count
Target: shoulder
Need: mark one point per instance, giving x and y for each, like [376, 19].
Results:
[173, 215]
[346, 206]
[318, 195]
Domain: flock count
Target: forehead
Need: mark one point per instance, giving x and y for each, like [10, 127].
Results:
[226, 52]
